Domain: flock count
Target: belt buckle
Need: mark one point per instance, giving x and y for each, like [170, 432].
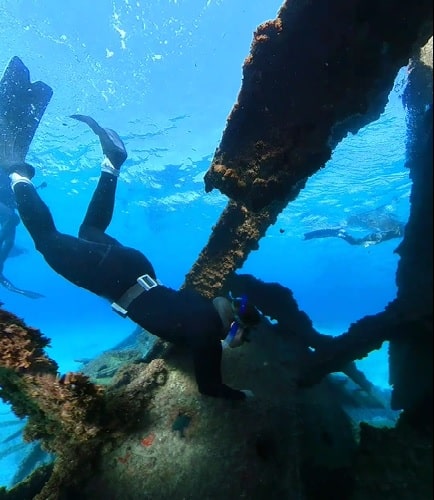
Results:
[119, 309]
[146, 282]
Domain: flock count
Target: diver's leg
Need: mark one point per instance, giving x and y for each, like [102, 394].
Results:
[100, 211]
[34, 213]
[350, 239]
[73, 258]
[322, 233]
[8, 222]
[7, 238]
[111, 144]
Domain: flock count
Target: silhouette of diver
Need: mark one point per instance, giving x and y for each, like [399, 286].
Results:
[383, 225]
[99, 263]
[370, 239]
[22, 105]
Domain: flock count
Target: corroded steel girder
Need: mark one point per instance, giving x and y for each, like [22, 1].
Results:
[235, 235]
[316, 72]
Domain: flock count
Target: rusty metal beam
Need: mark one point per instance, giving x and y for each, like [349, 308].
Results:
[316, 72]
[235, 235]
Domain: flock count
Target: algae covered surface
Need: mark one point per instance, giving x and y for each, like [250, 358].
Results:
[191, 446]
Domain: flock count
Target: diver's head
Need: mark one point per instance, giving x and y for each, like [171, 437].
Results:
[238, 315]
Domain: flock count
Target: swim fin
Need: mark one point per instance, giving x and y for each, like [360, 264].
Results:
[111, 143]
[22, 105]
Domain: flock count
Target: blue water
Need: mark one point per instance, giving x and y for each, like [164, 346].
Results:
[165, 75]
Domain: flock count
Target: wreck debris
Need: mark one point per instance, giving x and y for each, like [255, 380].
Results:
[62, 413]
[236, 234]
[411, 361]
[193, 446]
[363, 336]
[30, 383]
[382, 457]
[278, 303]
[131, 391]
[407, 321]
[69, 415]
[313, 74]
[261, 171]
[283, 129]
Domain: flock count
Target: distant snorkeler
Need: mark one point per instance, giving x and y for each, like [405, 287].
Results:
[365, 241]
[124, 276]
[384, 227]
[22, 105]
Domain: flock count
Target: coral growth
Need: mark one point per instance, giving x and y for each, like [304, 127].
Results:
[69, 415]
[131, 390]
[21, 346]
[62, 412]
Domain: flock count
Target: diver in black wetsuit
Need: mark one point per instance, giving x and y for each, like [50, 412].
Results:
[8, 221]
[124, 276]
[370, 239]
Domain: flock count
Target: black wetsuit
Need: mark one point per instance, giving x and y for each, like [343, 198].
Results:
[99, 263]
[371, 239]
[8, 219]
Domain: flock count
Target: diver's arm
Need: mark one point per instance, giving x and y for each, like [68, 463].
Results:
[207, 367]
[350, 239]
[397, 232]
[12, 288]
[380, 236]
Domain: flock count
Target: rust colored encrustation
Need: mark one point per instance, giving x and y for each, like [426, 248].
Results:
[316, 72]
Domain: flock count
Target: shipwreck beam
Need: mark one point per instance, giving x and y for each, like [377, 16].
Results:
[234, 236]
[316, 72]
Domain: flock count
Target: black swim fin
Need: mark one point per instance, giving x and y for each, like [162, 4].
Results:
[22, 105]
[111, 143]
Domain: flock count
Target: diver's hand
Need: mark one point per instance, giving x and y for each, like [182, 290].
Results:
[249, 394]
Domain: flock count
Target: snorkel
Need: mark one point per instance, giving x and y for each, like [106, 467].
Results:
[236, 325]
